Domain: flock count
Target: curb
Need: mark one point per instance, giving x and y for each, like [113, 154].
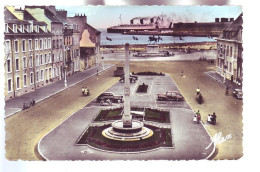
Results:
[37, 101]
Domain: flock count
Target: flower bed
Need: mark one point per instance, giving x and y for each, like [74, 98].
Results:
[154, 115]
[93, 136]
[149, 73]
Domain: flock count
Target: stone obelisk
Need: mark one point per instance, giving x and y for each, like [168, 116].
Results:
[127, 118]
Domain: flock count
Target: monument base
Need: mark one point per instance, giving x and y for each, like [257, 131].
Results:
[121, 133]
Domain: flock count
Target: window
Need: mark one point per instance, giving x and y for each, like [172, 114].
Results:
[17, 64]
[58, 71]
[25, 80]
[45, 43]
[49, 43]
[22, 28]
[230, 67]
[36, 44]
[37, 76]
[50, 73]
[61, 43]
[6, 28]
[24, 63]
[57, 43]
[231, 48]
[16, 48]
[15, 28]
[9, 85]
[45, 58]
[8, 65]
[23, 45]
[30, 44]
[46, 73]
[31, 78]
[29, 28]
[227, 50]
[30, 62]
[49, 58]
[37, 60]
[41, 59]
[42, 75]
[37, 28]
[41, 44]
[17, 82]
[53, 43]
[7, 46]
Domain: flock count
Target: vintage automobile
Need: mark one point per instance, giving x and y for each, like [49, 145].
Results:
[131, 78]
[170, 95]
[28, 104]
[119, 71]
[110, 96]
[238, 93]
[106, 102]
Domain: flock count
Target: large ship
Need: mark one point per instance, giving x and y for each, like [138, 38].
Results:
[142, 24]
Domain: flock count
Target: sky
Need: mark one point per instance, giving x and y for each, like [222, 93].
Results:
[107, 16]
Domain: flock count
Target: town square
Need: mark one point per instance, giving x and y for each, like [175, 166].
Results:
[145, 86]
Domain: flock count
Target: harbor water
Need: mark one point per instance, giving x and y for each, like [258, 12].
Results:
[121, 39]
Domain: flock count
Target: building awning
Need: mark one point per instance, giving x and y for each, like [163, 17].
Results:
[85, 40]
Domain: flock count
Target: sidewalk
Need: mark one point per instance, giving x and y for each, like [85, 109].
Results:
[217, 77]
[14, 105]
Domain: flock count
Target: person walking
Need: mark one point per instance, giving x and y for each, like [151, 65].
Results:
[198, 91]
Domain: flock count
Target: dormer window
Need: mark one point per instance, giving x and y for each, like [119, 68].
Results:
[37, 28]
[22, 28]
[6, 28]
[15, 28]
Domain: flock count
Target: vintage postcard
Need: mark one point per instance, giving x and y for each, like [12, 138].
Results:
[123, 82]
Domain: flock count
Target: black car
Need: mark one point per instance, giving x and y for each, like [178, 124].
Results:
[110, 96]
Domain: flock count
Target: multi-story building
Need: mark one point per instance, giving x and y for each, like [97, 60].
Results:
[71, 36]
[229, 55]
[27, 53]
[89, 41]
[48, 15]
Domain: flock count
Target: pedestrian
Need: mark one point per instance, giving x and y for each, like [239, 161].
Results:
[198, 91]
[83, 90]
[182, 72]
[97, 72]
[198, 117]
[227, 91]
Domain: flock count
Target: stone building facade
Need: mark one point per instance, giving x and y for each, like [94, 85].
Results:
[230, 52]
[27, 51]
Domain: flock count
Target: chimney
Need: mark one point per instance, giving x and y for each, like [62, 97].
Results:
[231, 19]
[216, 20]
[131, 21]
[224, 19]
[142, 21]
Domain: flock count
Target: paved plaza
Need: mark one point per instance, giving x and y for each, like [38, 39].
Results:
[190, 140]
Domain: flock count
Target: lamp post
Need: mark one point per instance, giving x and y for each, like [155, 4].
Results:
[225, 71]
[65, 76]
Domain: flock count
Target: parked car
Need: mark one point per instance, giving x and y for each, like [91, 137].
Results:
[131, 78]
[238, 93]
[170, 95]
[109, 96]
[28, 104]
[119, 71]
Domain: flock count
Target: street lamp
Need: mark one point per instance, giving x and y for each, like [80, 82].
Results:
[102, 58]
[65, 76]
[225, 71]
